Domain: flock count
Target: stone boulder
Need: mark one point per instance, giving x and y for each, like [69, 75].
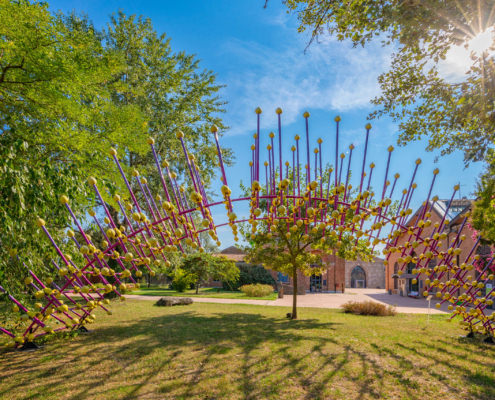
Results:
[174, 301]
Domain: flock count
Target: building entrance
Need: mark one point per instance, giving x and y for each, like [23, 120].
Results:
[315, 283]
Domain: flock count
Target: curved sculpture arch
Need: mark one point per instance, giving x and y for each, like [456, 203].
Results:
[156, 226]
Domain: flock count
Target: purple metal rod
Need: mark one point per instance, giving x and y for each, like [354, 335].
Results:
[126, 183]
[297, 157]
[258, 145]
[368, 127]
[158, 167]
[308, 167]
[390, 149]
[321, 168]
[337, 120]
[348, 174]
[279, 112]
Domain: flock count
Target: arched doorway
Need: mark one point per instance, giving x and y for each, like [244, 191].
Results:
[358, 277]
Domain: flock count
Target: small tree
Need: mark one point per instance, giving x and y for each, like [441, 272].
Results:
[291, 247]
[292, 235]
[204, 266]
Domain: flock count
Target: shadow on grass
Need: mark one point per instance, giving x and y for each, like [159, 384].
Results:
[269, 353]
[211, 335]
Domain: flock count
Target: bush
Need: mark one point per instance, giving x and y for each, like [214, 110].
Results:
[249, 274]
[256, 290]
[181, 280]
[368, 308]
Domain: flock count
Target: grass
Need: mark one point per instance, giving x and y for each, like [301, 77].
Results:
[226, 351]
[203, 292]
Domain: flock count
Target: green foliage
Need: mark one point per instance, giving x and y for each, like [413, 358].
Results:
[369, 308]
[297, 244]
[256, 290]
[204, 266]
[171, 92]
[67, 94]
[181, 280]
[249, 274]
[452, 115]
[483, 218]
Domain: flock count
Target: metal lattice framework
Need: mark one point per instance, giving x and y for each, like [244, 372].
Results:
[157, 226]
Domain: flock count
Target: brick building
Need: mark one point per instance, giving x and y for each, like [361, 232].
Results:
[365, 274]
[337, 275]
[404, 284]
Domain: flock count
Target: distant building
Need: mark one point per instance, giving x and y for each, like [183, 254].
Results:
[361, 274]
[337, 275]
[232, 253]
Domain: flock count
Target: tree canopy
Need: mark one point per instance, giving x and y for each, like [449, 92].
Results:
[204, 266]
[453, 115]
[309, 229]
[69, 92]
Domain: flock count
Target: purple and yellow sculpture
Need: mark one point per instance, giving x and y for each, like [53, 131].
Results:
[157, 226]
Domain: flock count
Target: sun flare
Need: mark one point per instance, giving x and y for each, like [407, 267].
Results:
[482, 42]
[458, 59]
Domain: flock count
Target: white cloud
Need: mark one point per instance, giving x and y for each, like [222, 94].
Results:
[331, 75]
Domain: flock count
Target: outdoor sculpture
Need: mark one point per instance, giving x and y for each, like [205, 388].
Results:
[160, 225]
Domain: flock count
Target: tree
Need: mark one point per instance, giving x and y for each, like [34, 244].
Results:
[172, 93]
[204, 266]
[304, 230]
[454, 115]
[67, 94]
[484, 210]
[56, 116]
[249, 274]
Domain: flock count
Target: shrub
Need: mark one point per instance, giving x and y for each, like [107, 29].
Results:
[256, 290]
[249, 274]
[368, 308]
[181, 280]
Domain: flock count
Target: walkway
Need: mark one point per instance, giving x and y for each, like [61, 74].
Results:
[330, 300]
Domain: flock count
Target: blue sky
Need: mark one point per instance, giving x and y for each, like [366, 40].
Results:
[259, 56]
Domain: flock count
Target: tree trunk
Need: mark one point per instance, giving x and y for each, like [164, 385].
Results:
[149, 280]
[294, 294]
[197, 287]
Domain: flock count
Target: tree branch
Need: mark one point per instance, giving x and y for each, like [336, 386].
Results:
[6, 68]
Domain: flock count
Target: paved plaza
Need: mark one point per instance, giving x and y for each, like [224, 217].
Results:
[333, 300]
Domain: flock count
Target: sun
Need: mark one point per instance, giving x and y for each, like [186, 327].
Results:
[458, 59]
[482, 42]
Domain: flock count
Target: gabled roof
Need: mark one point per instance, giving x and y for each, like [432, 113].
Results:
[451, 212]
[232, 250]
[456, 207]
[232, 253]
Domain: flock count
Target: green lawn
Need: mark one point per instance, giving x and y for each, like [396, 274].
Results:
[203, 292]
[226, 351]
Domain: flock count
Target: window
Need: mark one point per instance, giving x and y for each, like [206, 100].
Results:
[396, 280]
[282, 277]
[358, 277]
